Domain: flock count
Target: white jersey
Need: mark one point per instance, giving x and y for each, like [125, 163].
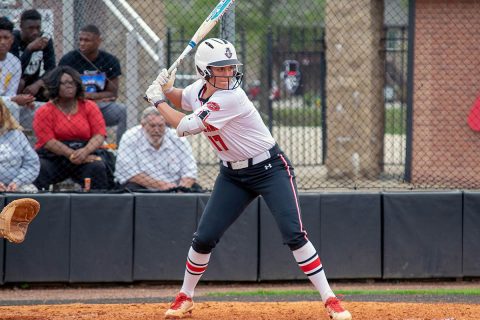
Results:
[233, 125]
[10, 74]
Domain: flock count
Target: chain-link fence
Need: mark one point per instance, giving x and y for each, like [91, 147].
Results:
[359, 94]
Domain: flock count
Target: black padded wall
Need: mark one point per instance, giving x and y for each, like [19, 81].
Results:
[351, 230]
[276, 260]
[164, 226]
[471, 234]
[44, 255]
[128, 237]
[235, 258]
[422, 234]
[101, 237]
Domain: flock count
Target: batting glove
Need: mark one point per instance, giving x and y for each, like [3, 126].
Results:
[154, 94]
[166, 80]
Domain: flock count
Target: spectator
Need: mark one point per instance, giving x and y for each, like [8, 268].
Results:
[151, 156]
[100, 75]
[19, 164]
[69, 129]
[36, 53]
[473, 118]
[10, 73]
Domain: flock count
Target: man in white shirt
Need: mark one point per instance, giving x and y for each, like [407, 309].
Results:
[10, 73]
[151, 156]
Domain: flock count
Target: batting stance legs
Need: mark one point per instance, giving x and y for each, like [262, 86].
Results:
[234, 189]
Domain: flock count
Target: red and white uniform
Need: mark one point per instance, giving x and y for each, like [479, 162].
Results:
[237, 133]
[234, 127]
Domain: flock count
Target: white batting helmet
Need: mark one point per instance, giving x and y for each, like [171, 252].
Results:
[216, 52]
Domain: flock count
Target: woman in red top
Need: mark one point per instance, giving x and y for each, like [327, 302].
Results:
[69, 129]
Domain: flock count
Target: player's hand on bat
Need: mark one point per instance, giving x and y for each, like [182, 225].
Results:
[166, 80]
[154, 93]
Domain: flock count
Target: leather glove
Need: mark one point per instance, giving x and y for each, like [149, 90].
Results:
[16, 217]
[166, 80]
[154, 94]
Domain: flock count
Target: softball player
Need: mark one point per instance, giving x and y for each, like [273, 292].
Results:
[251, 164]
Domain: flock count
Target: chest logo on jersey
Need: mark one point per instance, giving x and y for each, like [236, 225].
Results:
[213, 106]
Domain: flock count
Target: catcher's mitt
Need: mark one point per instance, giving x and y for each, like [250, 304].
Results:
[15, 218]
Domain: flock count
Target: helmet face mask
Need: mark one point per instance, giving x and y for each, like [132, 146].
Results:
[216, 52]
[233, 80]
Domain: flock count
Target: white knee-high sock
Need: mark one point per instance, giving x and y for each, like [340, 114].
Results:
[196, 265]
[308, 260]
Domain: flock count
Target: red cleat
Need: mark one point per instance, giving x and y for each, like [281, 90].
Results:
[181, 307]
[336, 311]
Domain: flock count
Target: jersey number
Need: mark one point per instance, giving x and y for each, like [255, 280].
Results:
[218, 142]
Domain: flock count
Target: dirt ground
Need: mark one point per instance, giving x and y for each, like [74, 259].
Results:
[144, 302]
[244, 311]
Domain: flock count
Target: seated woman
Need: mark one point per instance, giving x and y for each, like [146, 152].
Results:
[69, 129]
[19, 164]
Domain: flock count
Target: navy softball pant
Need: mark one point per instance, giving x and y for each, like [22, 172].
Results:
[274, 180]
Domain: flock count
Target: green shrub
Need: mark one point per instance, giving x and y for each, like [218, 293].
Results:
[395, 118]
[297, 117]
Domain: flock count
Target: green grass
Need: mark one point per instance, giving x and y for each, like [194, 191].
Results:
[442, 291]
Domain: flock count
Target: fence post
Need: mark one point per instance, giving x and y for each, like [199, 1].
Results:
[169, 47]
[243, 54]
[411, 56]
[68, 23]
[323, 88]
[354, 94]
[268, 85]
[132, 87]
[227, 25]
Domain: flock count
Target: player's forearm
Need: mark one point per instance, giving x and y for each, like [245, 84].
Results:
[175, 97]
[172, 116]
